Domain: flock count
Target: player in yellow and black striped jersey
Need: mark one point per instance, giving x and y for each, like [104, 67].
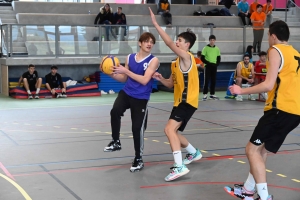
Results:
[282, 109]
[185, 80]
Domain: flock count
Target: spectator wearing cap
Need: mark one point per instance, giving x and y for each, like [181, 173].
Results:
[258, 19]
[54, 82]
[211, 57]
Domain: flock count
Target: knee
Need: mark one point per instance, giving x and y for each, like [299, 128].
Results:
[169, 130]
[250, 150]
[24, 79]
[115, 112]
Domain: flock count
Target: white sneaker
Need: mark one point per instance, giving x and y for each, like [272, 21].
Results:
[252, 98]
[103, 92]
[111, 92]
[239, 98]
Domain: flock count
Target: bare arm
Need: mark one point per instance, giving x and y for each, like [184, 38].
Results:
[142, 79]
[118, 77]
[166, 82]
[20, 81]
[185, 58]
[268, 84]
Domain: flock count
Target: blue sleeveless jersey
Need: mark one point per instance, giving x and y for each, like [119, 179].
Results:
[134, 88]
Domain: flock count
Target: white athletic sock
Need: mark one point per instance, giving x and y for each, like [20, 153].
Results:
[28, 91]
[37, 90]
[177, 157]
[190, 149]
[249, 184]
[262, 190]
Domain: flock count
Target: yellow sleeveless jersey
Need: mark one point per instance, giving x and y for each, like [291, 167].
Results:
[186, 84]
[245, 71]
[285, 94]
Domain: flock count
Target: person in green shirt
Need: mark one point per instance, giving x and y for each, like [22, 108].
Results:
[211, 57]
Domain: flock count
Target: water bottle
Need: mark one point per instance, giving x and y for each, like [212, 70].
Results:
[89, 12]
[102, 38]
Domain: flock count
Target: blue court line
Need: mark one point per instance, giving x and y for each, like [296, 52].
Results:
[3, 133]
[116, 158]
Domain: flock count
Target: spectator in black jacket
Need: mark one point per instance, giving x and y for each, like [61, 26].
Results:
[105, 16]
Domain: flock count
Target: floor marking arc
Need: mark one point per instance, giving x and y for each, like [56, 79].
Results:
[25, 195]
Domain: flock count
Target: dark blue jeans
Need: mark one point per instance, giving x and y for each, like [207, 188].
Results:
[107, 29]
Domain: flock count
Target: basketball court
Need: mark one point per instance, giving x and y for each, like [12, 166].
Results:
[53, 149]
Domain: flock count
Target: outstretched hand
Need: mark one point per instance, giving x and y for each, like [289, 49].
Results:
[152, 16]
[157, 76]
[235, 89]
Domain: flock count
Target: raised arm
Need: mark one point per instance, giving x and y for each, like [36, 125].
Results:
[168, 41]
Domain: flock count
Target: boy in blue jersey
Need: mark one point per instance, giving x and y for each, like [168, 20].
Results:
[137, 73]
[185, 80]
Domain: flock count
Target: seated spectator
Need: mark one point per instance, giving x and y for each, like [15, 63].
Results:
[244, 74]
[243, 11]
[120, 19]
[249, 52]
[267, 8]
[227, 3]
[225, 12]
[105, 16]
[164, 10]
[31, 82]
[253, 6]
[54, 82]
[260, 67]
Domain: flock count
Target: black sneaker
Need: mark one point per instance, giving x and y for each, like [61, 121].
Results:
[137, 165]
[30, 96]
[63, 95]
[36, 96]
[113, 146]
[214, 97]
[58, 95]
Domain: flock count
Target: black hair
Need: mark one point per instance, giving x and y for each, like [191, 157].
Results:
[199, 53]
[212, 37]
[31, 65]
[258, 6]
[280, 29]
[262, 53]
[246, 55]
[188, 36]
[249, 51]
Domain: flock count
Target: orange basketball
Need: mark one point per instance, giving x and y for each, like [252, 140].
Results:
[108, 62]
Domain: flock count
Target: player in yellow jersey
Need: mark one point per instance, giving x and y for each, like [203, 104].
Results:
[282, 110]
[185, 80]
